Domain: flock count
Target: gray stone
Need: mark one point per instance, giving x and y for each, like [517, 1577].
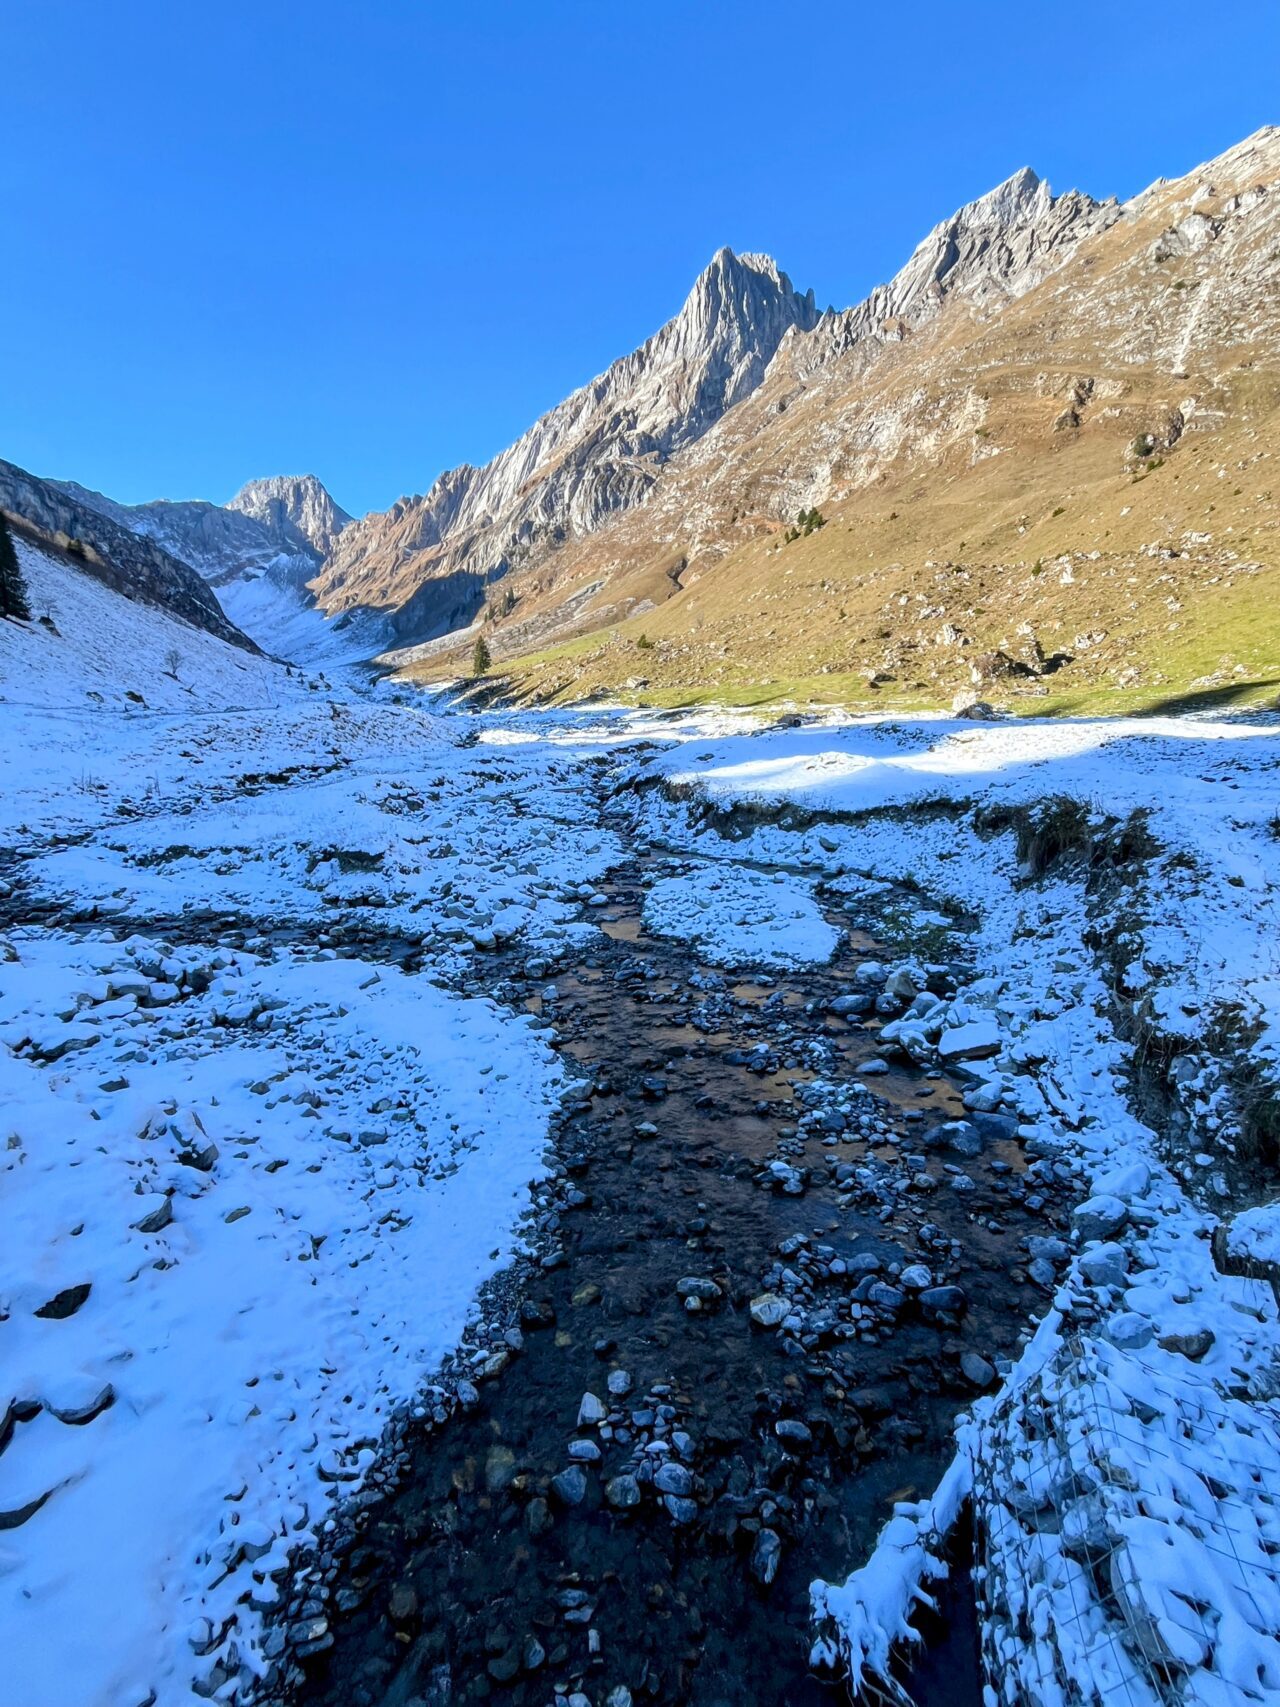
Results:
[1193, 1345]
[590, 1411]
[768, 1310]
[672, 1478]
[943, 1301]
[1099, 1217]
[570, 1486]
[622, 1492]
[976, 1369]
[1129, 1331]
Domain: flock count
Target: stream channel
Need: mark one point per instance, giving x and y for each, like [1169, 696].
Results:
[640, 1483]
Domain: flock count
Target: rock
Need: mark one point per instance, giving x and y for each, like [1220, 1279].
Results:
[590, 1411]
[468, 1395]
[622, 1492]
[851, 1005]
[504, 1667]
[765, 1556]
[1129, 1331]
[975, 1040]
[403, 1604]
[1099, 1217]
[873, 1068]
[705, 1291]
[620, 1383]
[584, 1452]
[499, 1468]
[768, 1310]
[65, 1303]
[670, 1478]
[793, 1431]
[1194, 1345]
[158, 1217]
[75, 1402]
[902, 985]
[1105, 1265]
[680, 1510]
[976, 1369]
[570, 1486]
[916, 1277]
[943, 1301]
[537, 1517]
[886, 1297]
[1052, 1249]
[963, 1137]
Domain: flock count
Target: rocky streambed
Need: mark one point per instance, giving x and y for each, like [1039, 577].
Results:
[769, 1268]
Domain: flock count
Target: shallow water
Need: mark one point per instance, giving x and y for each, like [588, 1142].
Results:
[463, 1584]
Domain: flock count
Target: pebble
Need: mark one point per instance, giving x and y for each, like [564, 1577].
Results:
[590, 1411]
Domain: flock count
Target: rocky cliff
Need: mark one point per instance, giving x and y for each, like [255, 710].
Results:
[600, 451]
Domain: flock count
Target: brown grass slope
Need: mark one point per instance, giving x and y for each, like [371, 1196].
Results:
[1065, 499]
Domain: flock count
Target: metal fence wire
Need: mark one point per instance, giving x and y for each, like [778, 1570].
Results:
[1128, 1539]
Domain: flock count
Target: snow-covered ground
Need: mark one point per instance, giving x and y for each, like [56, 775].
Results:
[251, 1189]
[250, 1193]
[90, 647]
[273, 609]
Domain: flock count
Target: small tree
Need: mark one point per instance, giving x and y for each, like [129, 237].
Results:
[480, 659]
[172, 659]
[13, 587]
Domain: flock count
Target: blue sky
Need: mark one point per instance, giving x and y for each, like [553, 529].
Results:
[372, 241]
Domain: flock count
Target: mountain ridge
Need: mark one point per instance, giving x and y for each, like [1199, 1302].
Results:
[429, 559]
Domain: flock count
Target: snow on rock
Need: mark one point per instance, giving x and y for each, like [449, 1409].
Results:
[734, 916]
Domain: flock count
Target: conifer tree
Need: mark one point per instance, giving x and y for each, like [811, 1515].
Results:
[13, 588]
[480, 660]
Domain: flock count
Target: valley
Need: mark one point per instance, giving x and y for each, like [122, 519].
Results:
[614, 1204]
[653, 1076]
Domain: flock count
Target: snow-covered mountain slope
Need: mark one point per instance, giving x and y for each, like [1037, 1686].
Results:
[288, 522]
[275, 608]
[133, 563]
[597, 452]
[89, 645]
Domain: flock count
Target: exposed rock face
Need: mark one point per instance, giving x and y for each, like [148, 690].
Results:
[134, 563]
[296, 510]
[286, 524]
[989, 252]
[606, 448]
[598, 452]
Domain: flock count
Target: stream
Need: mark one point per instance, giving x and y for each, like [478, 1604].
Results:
[763, 1288]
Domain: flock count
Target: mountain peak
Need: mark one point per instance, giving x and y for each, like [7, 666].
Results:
[294, 506]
